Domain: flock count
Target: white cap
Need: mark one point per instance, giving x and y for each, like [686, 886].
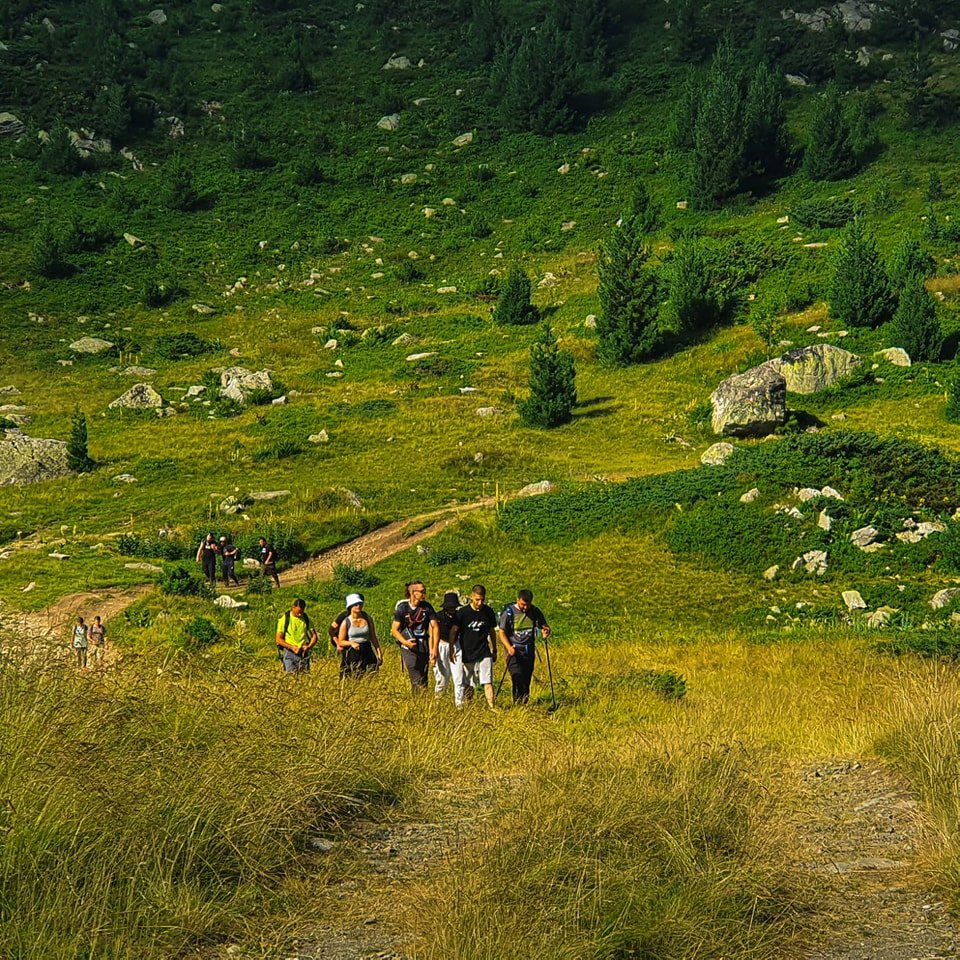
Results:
[353, 599]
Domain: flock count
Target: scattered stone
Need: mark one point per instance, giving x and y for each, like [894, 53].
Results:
[681, 204]
[420, 356]
[91, 345]
[448, 202]
[157, 16]
[716, 455]
[58, 556]
[830, 492]
[138, 372]
[237, 383]
[463, 140]
[563, 169]
[824, 521]
[406, 340]
[9, 391]
[197, 390]
[548, 281]
[320, 845]
[29, 586]
[141, 396]
[807, 493]
[864, 536]
[880, 617]
[488, 411]
[351, 498]
[397, 63]
[124, 478]
[407, 179]
[429, 212]
[943, 598]
[228, 603]
[11, 126]
[813, 561]
[771, 572]
[145, 567]
[853, 600]
[895, 355]
[201, 308]
[389, 122]
[873, 547]
[591, 321]
[446, 289]
[750, 404]
[795, 80]
[133, 240]
[320, 437]
[536, 489]
[567, 225]
[750, 496]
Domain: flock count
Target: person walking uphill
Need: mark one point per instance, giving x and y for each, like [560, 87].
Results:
[268, 560]
[81, 641]
[97, 633]
[295, 638]
[228, 562]
[207, 556]
[518, 628]
[357, 640]
[440, 658]
[473, 647]
[416, 629]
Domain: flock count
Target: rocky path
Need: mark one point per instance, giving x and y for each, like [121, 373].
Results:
[861, 829]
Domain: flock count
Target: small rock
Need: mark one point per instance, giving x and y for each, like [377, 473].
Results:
[407, 179]
[943, 598]
[488, 411]
[145, 567]
[397, 63]
[91, 345]
[750, 496]
[59, 556]
[681, 204]
[228, 603]
[771, 572]
[463, 140]
[268, 495]
[446, 289]
[420, 356]
[895, 355]
[717, 454]
[201, 308]
[124, 478]
[830, 492]
[157, 16]
[537, 489]
[807, 493]
[390, 122]
[563, 169]
[320, 437]
[824, 522]
[853, 600]
[591, 321]
[864, 536]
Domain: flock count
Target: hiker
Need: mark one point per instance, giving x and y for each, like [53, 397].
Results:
[357, 640]
[440, 657]
[416, 629]
[518, 628]
[97, 633]
[295, 638]
[268, 560]
[228, 561]
[207, 555]
[81, 640]
[473, 647]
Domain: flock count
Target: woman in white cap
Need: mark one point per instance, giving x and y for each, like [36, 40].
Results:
[357, 641]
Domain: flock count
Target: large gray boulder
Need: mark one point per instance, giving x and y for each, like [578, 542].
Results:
[811, 369]
[751, 404]
[141, 396]
[237, 383]
[91, 345]
[26, 459]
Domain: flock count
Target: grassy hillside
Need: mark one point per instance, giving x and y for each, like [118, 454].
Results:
[257, 215]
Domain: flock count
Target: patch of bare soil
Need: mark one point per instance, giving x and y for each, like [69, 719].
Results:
[861, 831]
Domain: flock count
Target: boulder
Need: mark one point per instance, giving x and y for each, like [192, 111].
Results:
[157, 16]
[268, 495]
[141, 396]
[321, 437]
[138, 372]
[751, 495]
[880, 617]
[26, 459]
[237, 383]
[813, 561]
[943, 598]
[91, 345]
[895, 355]
[751, 404]
[864, 536]
[810, 369]
[397, 63]
[853, 600]
[463, 140]
[390, 122]
[716, 455]
[536, 489]
[11, 126]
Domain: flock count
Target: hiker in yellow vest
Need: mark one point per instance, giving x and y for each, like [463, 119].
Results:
[295, 638]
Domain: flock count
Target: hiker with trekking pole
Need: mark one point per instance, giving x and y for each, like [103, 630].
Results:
[416, 629]
[517, 629]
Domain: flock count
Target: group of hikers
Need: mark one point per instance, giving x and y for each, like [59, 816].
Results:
[210, 548]
[458, 643]
[89, 642]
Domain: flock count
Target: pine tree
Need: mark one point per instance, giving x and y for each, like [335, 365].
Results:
[553, 389]
[765, 142]
[952, 411]
[829, 154]
[717, 161]
[483, 31]
[915, 326]
[685, 112]
[641, 210]
[542, 80]
[181, 192]
[513, 306]
[860, 291]
[693, 294]
[58, 154]
[908, 263]
[78, 457]
[629, 327]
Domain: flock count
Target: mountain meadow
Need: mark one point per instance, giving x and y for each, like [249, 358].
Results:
[652, 308]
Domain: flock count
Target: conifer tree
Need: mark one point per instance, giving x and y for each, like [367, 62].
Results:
[829, 154]
[860, 290]
[542, 80]
[513, 306]
[952, 411]
[629, 327]
[78, 457]
[765, 121]
[58, 155]
[908, 263]
[915, 326]
[553, 389]
[181, 192]
[483, 31]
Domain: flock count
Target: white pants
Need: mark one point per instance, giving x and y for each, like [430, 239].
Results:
[467, 676]
[442, 670]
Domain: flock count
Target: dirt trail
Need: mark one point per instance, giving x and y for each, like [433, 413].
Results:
[861, 829]
[51, 623]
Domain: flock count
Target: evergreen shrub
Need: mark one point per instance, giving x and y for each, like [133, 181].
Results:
[823, 212]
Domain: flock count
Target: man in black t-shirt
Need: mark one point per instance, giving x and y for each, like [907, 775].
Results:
[416, 629]
[473, 647]
[268, 561]
[519, 625]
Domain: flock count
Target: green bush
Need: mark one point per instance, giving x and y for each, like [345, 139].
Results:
[280, 448]
[353, 576]
[825, 212]
[445, 555]
[179, 581]
[199, 632]
[183, 346]
[162, 548]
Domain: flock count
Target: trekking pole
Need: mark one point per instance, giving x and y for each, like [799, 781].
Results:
[503, 677]
[553, 696]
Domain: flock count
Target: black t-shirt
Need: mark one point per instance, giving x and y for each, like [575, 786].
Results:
[473, 632]
[267, 551]
[415, 621]
[447, 619]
